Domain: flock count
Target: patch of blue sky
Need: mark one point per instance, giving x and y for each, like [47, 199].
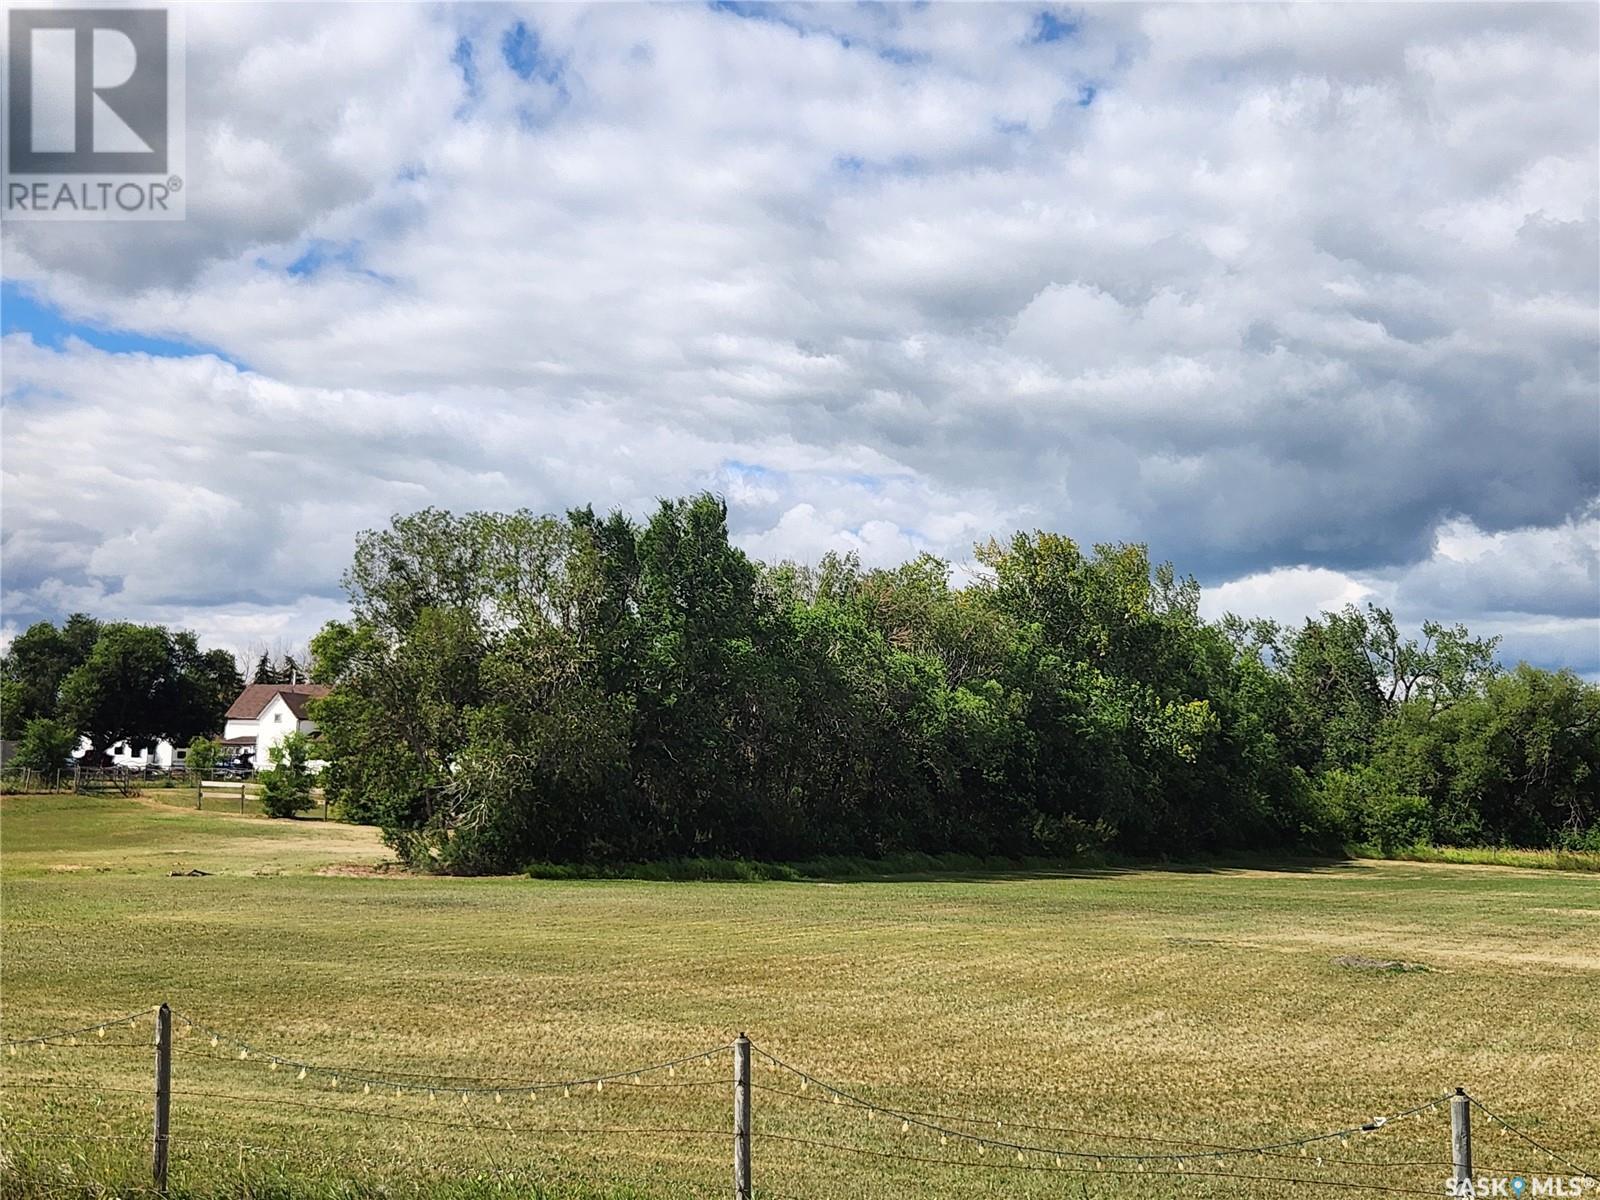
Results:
[775, 15]
[868, 482]
[322, 255]
[525, 57]
[1050, 27]
[523, 53]
[856, 166]
[770, 13]
[753, 470]
[465, 59]
[23, 312]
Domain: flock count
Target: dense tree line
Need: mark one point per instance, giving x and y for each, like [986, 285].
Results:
[110, 682]
[512, 688]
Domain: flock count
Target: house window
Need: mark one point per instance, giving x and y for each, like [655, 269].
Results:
[277, 718]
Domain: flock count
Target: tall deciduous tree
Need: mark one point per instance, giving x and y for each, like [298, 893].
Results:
[36, 664]
[511, 687]
[140, 683]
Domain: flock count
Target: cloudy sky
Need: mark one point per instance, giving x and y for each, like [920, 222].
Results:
[1304, 297]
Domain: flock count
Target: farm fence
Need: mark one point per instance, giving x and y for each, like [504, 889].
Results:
[15, 780]
[236, 791]
[79, 779]
[907, 1135]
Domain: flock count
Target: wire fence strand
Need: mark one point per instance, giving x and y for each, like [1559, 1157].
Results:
[1583, 1172]
[1067, 1169]
[1198, 1151]
[998, 1149]
[130, 1019]
[443, 1083]
[908, 1118]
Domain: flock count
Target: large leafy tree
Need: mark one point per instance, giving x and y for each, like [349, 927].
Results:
[1337, 705]
[140, 683]
[1448, 665]
[206, 683]
[1516, 762]
[512, 687]
[36, 664]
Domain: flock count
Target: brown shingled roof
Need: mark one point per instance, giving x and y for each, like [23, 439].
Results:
[257, 696]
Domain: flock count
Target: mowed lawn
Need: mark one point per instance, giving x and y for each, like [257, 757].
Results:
[1106, 1009]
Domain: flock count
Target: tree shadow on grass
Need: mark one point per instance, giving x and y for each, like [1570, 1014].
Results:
[929, 868]
[1000, 872]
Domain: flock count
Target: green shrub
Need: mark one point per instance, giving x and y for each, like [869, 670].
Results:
[1396, 820]
[202, 757]
[45, 746]
[286, 785]
[1587, 841]
[1365, 807]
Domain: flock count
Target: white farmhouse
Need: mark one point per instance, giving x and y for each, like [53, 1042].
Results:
[262, 716]
[165, 755]
[265, 714]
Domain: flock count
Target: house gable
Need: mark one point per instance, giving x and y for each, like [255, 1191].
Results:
[255, 698]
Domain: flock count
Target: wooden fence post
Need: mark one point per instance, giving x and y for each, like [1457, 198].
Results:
[158, 1148]
[1461, 1134]
[741, 1118]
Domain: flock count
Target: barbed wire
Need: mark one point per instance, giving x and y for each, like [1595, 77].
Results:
[1199, 1149]
[908, 1119]
[449, 1084]
[441, 1082]
[947, 1126]
[80, 1088]
[1002, 1165]
[491, 1126]
[143, 1048]
[1583, 1172]
[411, 1084]
[500, 1127]
[424, 1083]
[480, 1127]
[99, 1027]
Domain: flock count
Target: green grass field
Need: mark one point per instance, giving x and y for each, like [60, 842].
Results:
[1115, 1007]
